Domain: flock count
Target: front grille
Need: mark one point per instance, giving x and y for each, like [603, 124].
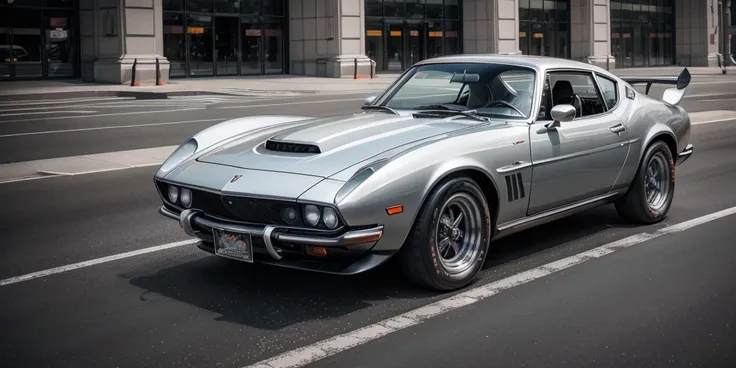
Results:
[259, 211]
[254, 211]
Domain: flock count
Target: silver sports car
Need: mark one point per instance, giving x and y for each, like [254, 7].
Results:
[457, 152]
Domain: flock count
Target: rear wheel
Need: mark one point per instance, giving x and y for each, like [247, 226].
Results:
[650, 195]
[450, 237]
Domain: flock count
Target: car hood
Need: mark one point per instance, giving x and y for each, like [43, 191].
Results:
[324, 146]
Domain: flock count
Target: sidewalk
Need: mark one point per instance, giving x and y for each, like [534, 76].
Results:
[279, 85]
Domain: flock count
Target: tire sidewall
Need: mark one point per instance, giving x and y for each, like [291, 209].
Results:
[657, 147]
[430, 221]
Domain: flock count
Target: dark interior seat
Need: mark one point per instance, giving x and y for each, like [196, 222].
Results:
[563, 93]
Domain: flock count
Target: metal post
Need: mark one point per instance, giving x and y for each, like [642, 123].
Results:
[355, 62]
[132, 78]
[158, 72]
[371, 68]
[727, 59]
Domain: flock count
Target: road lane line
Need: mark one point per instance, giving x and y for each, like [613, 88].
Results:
[57, 111]
[336, 344]
[92, 262]
[60, 101]
[98, 115]
[111, 127]
[713, 121]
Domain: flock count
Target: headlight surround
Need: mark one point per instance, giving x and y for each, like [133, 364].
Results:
[187, 149]
[173, 194]
[185, 197]
[329, 217]
[311, 215]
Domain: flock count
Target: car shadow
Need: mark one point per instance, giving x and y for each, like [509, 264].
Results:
[272, 298]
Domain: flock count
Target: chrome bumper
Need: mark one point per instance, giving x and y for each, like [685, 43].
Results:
[270, 234]
[684, 155]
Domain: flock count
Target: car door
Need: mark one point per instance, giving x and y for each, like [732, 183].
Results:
[579, 159]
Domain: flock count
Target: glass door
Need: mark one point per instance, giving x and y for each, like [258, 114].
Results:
[59, 46]
[250, 28]
[273, 47]
[199, 38]
[226, 45]
[21, 44]
[415, 42]
[6, 46]
[394, 35]
[374, 46]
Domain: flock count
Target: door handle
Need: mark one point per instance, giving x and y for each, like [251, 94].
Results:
[618, 128]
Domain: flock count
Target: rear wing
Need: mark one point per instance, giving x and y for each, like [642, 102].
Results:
[672, 96]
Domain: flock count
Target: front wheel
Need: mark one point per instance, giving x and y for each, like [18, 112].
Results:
[450, 238]
[650, 195]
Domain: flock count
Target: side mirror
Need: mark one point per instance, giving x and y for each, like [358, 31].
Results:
[368, 100]
[562, 114]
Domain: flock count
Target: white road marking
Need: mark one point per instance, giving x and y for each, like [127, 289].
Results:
[331, 346]
[713, 121]
[60, 101]
[98, 115]
[111, 127]
[92, 262]
[57, 111]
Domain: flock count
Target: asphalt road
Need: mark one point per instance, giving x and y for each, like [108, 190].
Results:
[667, 301]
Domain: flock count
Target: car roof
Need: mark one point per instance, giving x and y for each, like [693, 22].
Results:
[530, 61]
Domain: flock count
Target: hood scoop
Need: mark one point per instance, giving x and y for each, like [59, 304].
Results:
[291, 147]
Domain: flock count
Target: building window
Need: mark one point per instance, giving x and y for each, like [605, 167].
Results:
[642, 33]
[544, 27]
[225, 37]
[400, 33]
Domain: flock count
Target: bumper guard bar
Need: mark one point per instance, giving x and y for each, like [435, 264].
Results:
[269, 233]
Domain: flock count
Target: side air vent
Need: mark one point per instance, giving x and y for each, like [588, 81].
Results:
[514, 187]
[291, 147]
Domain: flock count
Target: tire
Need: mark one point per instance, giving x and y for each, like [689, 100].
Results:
[634, 205]
[420, 256]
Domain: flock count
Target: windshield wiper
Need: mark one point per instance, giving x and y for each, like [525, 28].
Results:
[379, 107]
[433, 107]
[446, 110]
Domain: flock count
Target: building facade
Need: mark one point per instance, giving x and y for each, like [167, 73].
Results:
[105, 40]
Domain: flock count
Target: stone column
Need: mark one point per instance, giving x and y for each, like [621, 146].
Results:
[491, 26]
[591, 32]
[697, 33]
[327, 37]
[115, 33]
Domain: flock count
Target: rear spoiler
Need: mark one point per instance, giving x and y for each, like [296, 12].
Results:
[671, 96]
[681, 81]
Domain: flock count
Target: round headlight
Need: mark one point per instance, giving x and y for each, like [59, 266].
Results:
[173, 193]
[289, 215]
[186, 198]
[330, 218]
[311, 214]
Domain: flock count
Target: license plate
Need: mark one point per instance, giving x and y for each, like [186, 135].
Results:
[233, 245]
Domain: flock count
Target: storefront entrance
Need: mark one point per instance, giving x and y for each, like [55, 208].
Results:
[396, 44]
[36, 43]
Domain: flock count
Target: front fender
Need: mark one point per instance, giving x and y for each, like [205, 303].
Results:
[408, 178]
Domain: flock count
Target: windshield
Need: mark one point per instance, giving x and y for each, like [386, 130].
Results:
[493, 90]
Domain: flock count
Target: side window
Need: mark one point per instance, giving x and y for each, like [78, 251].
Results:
[608, 90]
[577, 89]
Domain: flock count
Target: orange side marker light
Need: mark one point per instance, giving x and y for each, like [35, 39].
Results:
[394, 210]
